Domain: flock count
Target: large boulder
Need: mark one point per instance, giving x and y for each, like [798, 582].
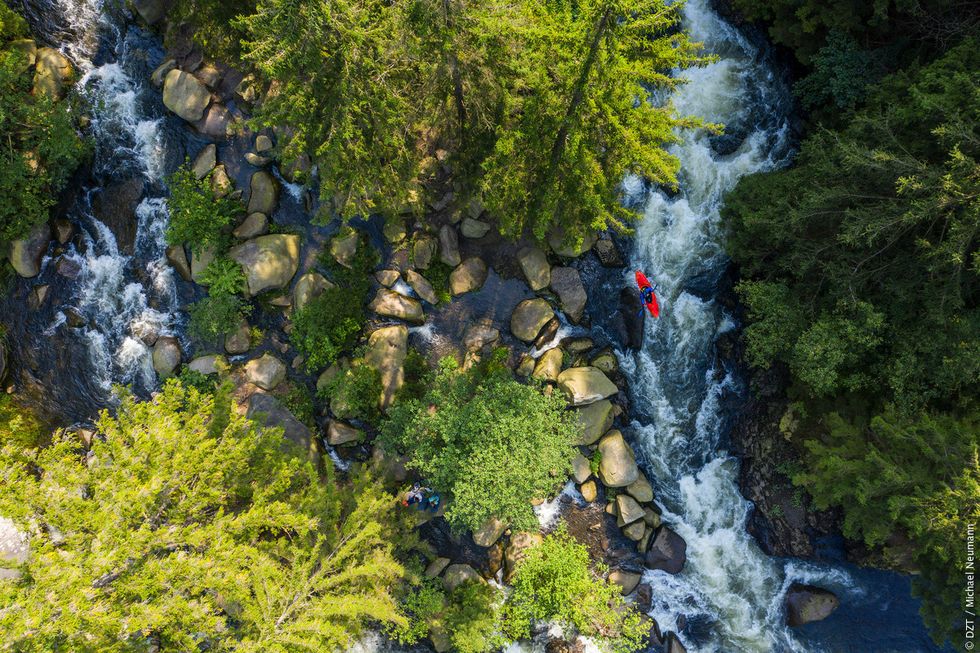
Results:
[254, 225]
[339, 433]
[608, 253]
[205, 161]
[456, 575]
[266, 410]
[151, 10]
[568, 246]
[519, 544]
[200, 260]
[474, 229]
[216, 123]
[534, 264]
[116, 205]
[422, 287]
[185, 95]
[668, 551]
[166, 356]
[343, 247]
[267, 372]
[617, 464]
[52, 73]
[529, 318]
[627, 580]
[423, 249]
[567, 284]
[480, 335]
[628, 509]
[389, 303]
[240, 340]
[488, 534]
[310, 285]
[806, 603]
[387, 348]
[469, 275]
[585, 385]
[177, 258]
[263, 193]
[269, 261]
[593, 421]
[548, 366]
[449, 245]
[26, 253]
[208, 364]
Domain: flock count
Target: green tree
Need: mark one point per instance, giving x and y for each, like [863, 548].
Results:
[579, 116]
[39, 143]
[186, 526]
[554, 582]
[197, 216]
[494, 444]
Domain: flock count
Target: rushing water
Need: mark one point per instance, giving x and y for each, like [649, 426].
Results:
[123, 295]
[730, 593]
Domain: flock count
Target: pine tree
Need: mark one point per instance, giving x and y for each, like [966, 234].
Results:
[186, 526]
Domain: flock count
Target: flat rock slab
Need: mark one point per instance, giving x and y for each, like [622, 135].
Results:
[470, 275]
[266, 372]
[389, 303]
[185, 95]
[529, 318]
[268, 261]
[593, 421]
[534, 264]
[585, 385]
[387, 348]
[617, 464]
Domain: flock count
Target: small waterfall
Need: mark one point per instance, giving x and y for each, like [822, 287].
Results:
[730, 593]
[125, 293]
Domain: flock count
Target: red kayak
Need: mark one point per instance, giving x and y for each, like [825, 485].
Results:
[652, 305]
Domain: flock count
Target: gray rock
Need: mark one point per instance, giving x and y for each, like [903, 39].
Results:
[548, 333]
[64, 230]
[635, 531]
[674, 645]
[256, 224]
[269, 261]
[436, 567]
[423, 249]
[339, 433]
[177, 258]
[605, 361]
[641, 490]
[209, 364]
[387, 278]
[449, 245]
[200, 260]
[151, 10]
[470, 275]
[626, 580]
[240, 340]
[480, 335]
[26, 253]
[422, 287]
[387, 348]
[221, 184]
[617, 464]
[807, 603]
[589, 491]
[517, 549]
[166, 356]
[585, 385]
[185, 95]
[628, 509]
[394, 230]
[216, 122]
[263, 144]
[474, 229]
[388, 303]
[593, 420]
[257, 160]
[534, 264]
[343, 247]
[529, 317]
[490, 532]
[570, 247]
[548, 366]
[309, 286]
[267, 411]
[160, 72]
[205, 161]
[35, 300]
[456, 575]
[567, 284]
[668, 552]
[581, 468]
[267, 372]
[263, 193]
[608, 253]
[52, 73]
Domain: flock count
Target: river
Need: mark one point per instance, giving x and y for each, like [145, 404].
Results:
[729, 596]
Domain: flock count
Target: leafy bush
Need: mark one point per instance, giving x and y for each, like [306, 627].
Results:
[491, 442]
[327, 326]
[299, 402]
[354, 393]
[224, 277]
[417, 376]
[203, 383]
[19, 427]
[473, 618]
[554, 583]
[216, 315]
[420, 604]
[40, 144]
[203, 526]
[197, 217]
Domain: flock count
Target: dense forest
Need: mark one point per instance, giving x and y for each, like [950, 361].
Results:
[208, 515]
[860, 268]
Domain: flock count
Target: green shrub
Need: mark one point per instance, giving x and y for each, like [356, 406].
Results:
[354, 393]
[555, 583]
[438, 275]
[197, 217]
[417, 376]
[216, 315]
[299, 402]
[203, 383]
[19, 427]
[493, 443]
[224, 276]
[327, 326]
[472, 618]
[420, 604]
